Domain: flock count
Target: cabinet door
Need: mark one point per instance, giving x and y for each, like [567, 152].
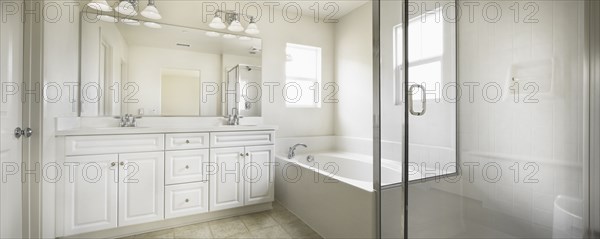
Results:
[90, 193]
[226, 185]
[258, 175]
[141, 188]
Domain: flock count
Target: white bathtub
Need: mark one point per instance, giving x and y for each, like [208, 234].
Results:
[334, 193]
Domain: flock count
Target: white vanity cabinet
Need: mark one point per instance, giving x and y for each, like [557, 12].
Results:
[130, 179]
[241, 175]
[113, 189]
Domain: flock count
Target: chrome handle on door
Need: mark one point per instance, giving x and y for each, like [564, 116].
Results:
[28, 132]
[423, 100]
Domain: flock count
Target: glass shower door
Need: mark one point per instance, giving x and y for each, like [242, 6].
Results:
[521, 126]
[415, 106]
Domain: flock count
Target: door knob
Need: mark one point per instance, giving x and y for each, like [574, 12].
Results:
[23, 132]
[19, 132]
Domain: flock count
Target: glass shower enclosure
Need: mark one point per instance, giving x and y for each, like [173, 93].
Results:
[481, 114]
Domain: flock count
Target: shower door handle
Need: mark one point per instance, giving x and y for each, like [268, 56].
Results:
[423, 100]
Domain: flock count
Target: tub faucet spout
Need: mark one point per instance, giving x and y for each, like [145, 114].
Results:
[292, 153]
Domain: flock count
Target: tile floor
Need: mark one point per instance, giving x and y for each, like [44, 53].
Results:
[276, 223]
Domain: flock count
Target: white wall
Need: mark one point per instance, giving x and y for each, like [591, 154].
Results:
[61, 61]
[145, 65]
[354, 74]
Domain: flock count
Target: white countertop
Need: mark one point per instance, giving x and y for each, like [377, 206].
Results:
[160, 130]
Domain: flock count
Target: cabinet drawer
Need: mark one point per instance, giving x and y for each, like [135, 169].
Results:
[186, 199]
[185, 166]
[186, 141]
[246, 138]
[106, 144]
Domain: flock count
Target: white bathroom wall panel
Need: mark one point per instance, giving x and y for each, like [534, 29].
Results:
[354, 74]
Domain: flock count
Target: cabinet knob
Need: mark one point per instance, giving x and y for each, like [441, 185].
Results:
[242, 154]
[187, 200]
[247, 154]
[122, 163]
[187, 167]
[113, 164]
[187, 141]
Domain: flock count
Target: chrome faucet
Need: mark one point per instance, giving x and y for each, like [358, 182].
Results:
[292, 153]
[128, 120]
[234, 117]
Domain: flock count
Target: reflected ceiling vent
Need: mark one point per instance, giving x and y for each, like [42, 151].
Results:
[183, 44]
[254, 50]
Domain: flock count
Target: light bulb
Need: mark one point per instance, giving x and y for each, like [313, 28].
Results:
[217, 23]
[151, 12]
[235, 26]
[100, 5]
[126, 8]
[252, 28]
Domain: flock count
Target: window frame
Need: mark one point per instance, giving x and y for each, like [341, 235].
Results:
[316, 82]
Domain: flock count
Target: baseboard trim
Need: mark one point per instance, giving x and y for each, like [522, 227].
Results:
[171, 223]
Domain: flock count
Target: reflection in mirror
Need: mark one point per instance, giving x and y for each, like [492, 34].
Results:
[164, 71]
[180, 92]
[244, 90]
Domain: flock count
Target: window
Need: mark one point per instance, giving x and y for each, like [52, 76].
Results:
[303, 76]
[426, 39]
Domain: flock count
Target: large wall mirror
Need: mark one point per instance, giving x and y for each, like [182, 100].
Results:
[129, 67]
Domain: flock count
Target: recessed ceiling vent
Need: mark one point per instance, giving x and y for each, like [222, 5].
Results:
[183, 44]
[254, 50]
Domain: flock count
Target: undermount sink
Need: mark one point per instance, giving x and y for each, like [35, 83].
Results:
[229, 125]
[117, 128]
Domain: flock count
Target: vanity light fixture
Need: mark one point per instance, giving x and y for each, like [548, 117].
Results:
[127, 7]
[217, 22]
[151, 11]
[100, 5]
[252, 27]
[224, 18]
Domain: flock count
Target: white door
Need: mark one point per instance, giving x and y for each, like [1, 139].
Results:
[91, 193]
[11, 70]
[141, 188]
[226, 187]
[258, 175]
